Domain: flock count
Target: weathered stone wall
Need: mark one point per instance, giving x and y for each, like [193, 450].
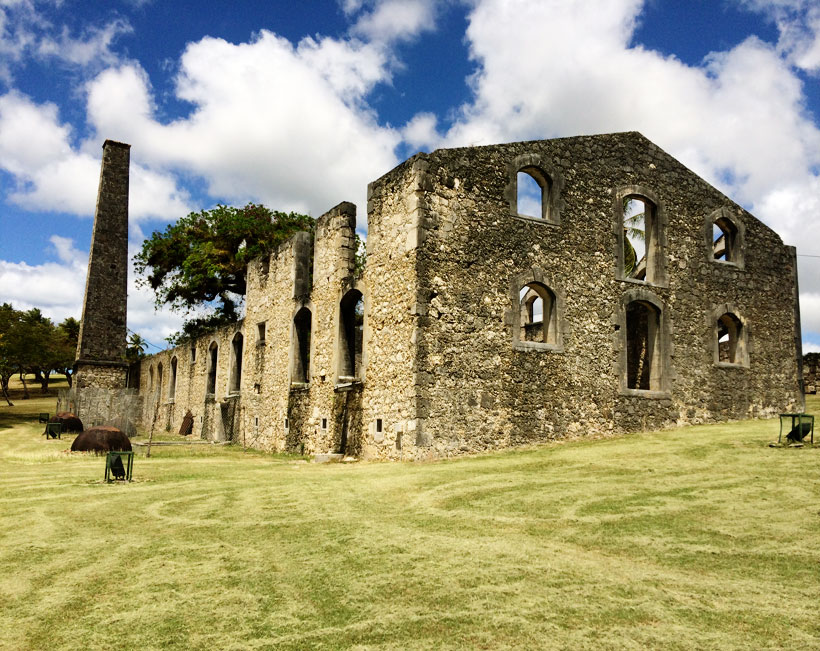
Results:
[448, 362]
[811, 372]
[484, 392]
[101, 374]
[97, 405]
[315, 410]
[102, 330]
[390, 406]
[165, 402]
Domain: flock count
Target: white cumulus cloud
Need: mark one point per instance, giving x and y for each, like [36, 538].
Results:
[270, 122]
[93, 47]
[31, 28]
[52, 175]
[798, 23]
[395, 20]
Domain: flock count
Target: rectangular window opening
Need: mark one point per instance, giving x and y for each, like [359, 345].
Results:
[351, 327]
[643, 346]
[301, 345]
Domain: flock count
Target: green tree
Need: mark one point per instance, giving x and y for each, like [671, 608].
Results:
[39, 348]
[9, 318]
[200, 261]
[67, 336]
[31, 343]
[135, 349]
[360, 257]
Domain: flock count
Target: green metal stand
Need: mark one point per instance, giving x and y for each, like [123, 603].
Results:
[53, 430]
[797, 421]
[127, 466]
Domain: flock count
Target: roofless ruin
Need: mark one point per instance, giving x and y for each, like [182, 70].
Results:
[513, 294]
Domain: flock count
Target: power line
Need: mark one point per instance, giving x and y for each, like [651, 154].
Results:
[144, 339]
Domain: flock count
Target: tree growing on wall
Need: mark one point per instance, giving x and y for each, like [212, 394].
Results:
[199, 263]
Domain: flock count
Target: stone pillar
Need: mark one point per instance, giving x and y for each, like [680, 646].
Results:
[101, 348]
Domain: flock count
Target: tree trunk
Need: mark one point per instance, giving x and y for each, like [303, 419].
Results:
[68, 374]
[26, 396]
[5, 387]
[44, 381]
[153, 423]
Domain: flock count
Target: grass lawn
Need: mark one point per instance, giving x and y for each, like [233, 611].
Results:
[695, 538]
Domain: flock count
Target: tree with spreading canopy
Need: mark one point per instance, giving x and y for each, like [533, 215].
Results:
[200, 261]
[31, 343]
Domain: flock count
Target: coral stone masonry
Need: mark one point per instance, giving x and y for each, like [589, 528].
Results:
[512, 294]
[101, 347]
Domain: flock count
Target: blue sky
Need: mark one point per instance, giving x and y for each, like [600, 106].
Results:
[300, 105]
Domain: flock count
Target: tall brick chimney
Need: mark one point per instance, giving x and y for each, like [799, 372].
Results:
[101, 348]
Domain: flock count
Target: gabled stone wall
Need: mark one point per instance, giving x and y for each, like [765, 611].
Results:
[481, 391]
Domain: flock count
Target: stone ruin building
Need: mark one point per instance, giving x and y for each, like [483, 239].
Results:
[811, 372]
[512, 294]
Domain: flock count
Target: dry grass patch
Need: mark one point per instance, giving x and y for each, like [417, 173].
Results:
[701, 537]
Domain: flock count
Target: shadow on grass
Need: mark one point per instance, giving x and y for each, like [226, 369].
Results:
[26, 411]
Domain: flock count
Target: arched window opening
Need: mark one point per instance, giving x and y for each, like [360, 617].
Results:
[159, 381]
[150, 379]
[301, 356]
[636, 215]
[213, 352]
[538, 322]
[643, 349]
[351, 329]
[534, 188]
[640, 237]
[729, 339]
[236, 363]
[724, 240]
[172, 387]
